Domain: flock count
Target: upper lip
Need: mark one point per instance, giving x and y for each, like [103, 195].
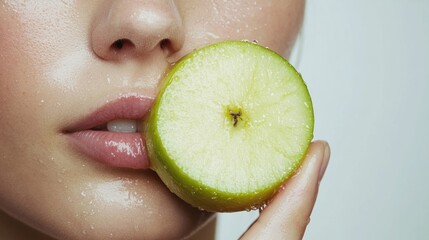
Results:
[125, 107]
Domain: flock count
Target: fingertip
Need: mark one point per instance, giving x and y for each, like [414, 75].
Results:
[288, 214]
[325, 160]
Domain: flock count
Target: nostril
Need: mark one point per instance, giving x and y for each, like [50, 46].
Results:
[121, 44]
[118, 44]
[165, 45]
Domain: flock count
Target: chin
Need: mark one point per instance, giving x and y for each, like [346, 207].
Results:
[108, 204]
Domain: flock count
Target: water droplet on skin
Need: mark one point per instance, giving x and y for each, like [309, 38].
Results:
[83, 194]
[60, 180]
[84, 232]
[92, 227]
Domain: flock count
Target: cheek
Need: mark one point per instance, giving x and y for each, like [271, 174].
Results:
[274, 24]
[30, 46]
[37, 37]
[44, 53]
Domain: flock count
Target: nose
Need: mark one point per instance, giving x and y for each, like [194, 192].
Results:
[132, 28]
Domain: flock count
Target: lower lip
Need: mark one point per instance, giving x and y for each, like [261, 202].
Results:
[116, 149]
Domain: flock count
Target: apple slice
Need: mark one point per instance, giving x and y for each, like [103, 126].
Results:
[232, 122]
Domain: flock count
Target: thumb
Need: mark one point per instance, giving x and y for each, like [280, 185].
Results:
[288, 213]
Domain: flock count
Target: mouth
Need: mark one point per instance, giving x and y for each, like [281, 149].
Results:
[111, 134]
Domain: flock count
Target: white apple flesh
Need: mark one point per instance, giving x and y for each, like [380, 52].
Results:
[232, 122]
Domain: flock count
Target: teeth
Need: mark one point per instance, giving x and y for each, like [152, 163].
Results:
[122, 125]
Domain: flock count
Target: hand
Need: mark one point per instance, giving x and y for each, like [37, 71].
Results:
[288, 213]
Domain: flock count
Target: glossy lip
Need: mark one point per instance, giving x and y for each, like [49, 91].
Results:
[116, 149]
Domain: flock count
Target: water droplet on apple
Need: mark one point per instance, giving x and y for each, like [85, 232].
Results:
[263, 206]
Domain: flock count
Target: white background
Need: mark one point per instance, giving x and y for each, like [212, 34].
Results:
[366, 63]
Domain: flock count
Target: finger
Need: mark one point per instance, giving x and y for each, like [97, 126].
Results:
[287, 215]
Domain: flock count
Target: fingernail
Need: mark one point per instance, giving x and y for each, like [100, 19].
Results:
[324, 165]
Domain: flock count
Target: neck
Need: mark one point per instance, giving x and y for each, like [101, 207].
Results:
[207, 232]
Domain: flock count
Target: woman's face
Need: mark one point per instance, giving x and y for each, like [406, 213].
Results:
[64, 77]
